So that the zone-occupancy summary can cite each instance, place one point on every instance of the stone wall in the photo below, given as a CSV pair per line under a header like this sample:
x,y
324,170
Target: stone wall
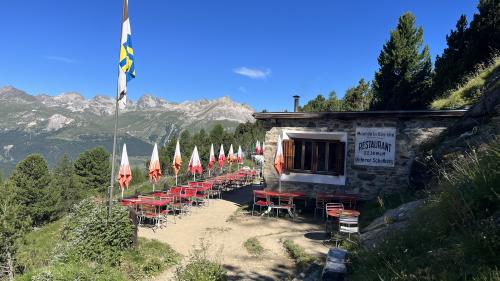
x,y
368,181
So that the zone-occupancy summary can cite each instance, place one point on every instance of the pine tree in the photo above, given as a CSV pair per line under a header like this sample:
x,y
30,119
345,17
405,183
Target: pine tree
x,y
65,180
450,67
467,47
405,68
357,98
31,182
14,225
94,170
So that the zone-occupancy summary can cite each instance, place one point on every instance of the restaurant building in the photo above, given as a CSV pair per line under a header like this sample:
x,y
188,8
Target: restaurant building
x,y
367,152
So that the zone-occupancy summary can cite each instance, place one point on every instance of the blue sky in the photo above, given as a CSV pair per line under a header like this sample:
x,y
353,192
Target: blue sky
x,y
259,52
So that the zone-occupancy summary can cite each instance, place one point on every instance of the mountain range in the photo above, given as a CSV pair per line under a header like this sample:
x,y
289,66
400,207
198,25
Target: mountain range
x,y
70,123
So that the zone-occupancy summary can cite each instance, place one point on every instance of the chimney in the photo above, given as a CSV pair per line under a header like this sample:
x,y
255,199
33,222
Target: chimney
x,y
296,103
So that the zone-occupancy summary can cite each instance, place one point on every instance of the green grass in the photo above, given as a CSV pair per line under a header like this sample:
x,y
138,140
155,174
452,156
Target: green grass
x,y
298,254
200,267
38,247
149,259
453,237
470,91
253,246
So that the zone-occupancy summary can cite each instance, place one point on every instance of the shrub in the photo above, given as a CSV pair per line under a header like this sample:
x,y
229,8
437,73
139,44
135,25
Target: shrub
x,y
90,235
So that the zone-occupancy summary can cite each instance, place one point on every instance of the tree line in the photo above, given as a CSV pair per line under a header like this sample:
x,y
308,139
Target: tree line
x,y
245,134
406,79
33,195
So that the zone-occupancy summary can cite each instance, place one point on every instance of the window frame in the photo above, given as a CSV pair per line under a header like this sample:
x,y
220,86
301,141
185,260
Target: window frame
x,y
314,157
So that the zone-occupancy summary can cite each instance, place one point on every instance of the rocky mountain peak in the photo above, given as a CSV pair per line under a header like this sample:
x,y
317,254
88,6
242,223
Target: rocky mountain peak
x,y
148,101
10,93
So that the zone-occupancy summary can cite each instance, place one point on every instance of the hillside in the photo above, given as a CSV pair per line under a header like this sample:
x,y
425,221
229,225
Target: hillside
x,y
69,123
451,232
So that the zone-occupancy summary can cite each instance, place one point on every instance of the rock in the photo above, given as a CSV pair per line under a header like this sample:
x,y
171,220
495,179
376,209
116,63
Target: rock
x,y
392,220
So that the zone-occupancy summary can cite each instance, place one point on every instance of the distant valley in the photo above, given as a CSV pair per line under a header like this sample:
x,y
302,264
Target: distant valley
x,y
69,123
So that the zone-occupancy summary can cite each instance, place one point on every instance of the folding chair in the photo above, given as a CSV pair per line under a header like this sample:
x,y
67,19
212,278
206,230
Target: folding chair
x,y
348,224
320,203
337,208
148,212
261,199
170,208
285,203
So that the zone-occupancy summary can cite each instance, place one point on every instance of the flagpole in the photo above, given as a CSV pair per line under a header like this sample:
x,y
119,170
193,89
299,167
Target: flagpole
x,y
116,122
114,153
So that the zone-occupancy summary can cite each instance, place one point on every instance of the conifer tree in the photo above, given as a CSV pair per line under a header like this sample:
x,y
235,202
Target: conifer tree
x,y
31,182
14,225
94,169
67,183
357,98
405,68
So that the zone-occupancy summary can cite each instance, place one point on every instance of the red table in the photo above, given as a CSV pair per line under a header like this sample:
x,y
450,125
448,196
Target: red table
x,y
279,194
336,213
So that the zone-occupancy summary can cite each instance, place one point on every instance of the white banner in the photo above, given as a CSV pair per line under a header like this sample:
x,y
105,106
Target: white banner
x,y
375,146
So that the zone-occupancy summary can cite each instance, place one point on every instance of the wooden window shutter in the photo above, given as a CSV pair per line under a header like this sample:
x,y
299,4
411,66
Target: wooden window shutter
x,y
288,154
340,161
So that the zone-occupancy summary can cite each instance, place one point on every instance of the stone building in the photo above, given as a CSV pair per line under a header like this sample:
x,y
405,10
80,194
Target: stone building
x,y
367,153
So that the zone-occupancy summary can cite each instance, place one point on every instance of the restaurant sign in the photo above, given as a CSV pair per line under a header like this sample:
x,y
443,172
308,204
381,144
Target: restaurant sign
x,y
375,146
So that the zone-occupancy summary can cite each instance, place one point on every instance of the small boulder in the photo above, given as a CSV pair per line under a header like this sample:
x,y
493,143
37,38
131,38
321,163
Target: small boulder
x,y
392,220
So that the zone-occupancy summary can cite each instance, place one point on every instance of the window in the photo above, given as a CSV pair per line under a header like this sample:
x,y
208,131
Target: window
x,y
314,156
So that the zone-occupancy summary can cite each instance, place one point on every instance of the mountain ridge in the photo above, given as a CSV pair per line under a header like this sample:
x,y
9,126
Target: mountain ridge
x,y
70,123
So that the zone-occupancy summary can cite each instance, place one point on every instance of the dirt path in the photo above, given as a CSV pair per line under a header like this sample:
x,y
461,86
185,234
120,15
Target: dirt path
x,y
225,234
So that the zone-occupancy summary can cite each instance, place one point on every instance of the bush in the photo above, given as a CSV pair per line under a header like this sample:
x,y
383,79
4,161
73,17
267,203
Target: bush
x,y
90,235
453,237
200,268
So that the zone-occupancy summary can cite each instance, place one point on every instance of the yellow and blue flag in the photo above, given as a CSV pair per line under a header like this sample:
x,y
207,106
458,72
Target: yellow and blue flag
x,y
126,70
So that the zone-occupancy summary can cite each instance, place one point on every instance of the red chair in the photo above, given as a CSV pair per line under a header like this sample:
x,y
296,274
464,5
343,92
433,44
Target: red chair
x,y
321,200
170,208
261,199
335,208
189,197
285,203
